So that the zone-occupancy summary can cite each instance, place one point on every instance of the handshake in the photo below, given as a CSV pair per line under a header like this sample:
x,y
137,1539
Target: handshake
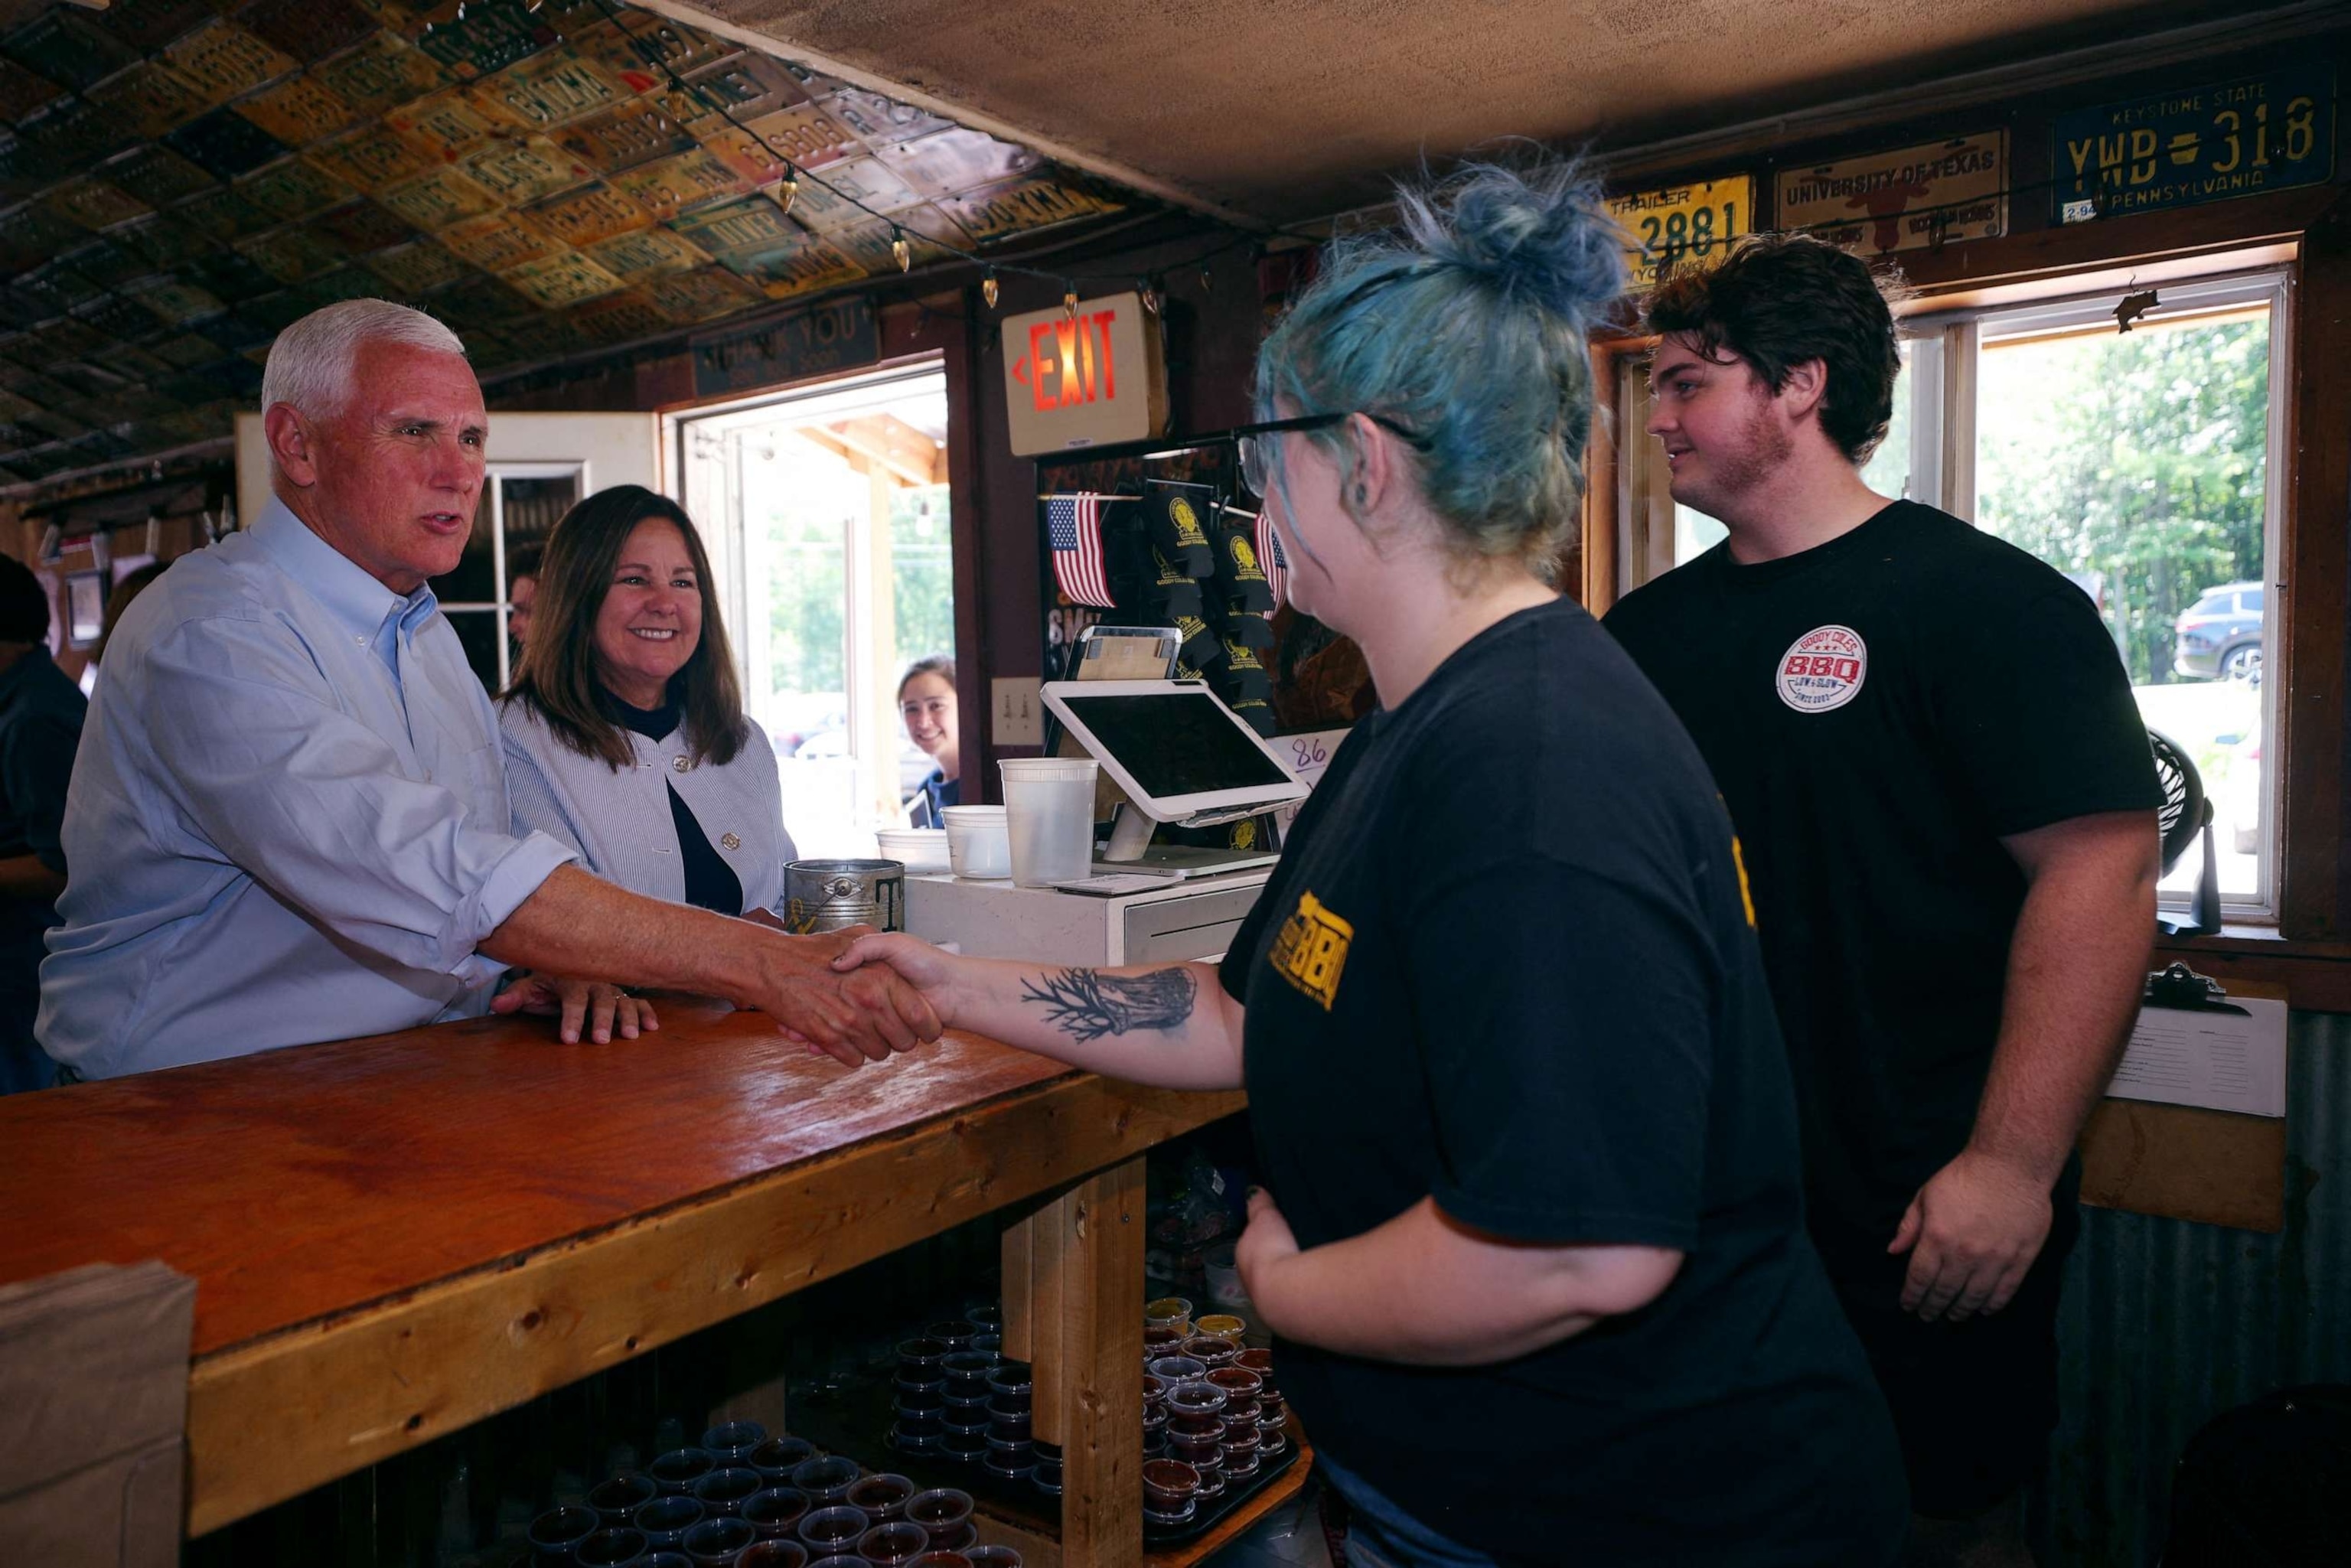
x,y
856,995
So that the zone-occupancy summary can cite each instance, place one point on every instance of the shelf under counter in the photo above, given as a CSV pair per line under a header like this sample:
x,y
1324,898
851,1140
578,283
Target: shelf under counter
x,y
395,1237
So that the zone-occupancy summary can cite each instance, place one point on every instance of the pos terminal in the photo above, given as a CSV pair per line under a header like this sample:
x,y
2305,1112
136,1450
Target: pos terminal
x,y
1177,755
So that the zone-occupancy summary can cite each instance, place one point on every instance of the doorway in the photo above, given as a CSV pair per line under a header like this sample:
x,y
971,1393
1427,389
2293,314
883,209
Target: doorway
x,y
829,507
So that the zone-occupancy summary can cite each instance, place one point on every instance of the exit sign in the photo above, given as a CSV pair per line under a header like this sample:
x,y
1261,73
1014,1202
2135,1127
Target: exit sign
x,y
1091,377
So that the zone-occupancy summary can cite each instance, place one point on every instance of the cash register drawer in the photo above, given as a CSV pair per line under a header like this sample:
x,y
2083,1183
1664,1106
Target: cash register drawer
x,y
1197,926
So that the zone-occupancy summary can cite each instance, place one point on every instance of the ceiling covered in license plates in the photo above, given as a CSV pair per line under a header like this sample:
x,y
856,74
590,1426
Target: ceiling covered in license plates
x,y
180,179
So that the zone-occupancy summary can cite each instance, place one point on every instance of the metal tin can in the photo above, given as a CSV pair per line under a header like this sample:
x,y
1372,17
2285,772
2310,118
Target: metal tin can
x,y
826,896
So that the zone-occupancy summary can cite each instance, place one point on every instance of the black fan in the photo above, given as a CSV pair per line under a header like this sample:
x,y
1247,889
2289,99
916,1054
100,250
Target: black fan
x,y
2186,815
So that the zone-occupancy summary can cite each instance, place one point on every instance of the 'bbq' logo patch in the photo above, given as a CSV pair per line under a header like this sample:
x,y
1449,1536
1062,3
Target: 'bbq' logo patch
x,y
1310,949
1823,669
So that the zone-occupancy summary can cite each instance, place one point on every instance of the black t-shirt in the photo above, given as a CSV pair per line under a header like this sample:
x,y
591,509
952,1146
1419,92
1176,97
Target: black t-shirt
x,y
1879,712
1505,962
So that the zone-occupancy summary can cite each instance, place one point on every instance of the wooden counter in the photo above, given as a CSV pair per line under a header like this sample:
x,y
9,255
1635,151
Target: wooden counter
x,y
395,1237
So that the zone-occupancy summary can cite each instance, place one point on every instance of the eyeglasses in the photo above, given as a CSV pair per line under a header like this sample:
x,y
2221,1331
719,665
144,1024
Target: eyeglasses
x,y
1258,443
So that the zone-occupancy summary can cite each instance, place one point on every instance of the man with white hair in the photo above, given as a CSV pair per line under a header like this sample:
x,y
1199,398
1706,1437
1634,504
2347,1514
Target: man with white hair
x,y
288,819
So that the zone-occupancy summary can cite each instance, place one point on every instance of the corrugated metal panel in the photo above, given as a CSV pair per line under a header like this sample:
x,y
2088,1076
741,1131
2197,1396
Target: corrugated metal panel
x,y
2165,1324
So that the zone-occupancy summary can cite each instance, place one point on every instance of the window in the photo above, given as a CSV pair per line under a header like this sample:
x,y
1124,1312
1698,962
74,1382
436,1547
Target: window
x,y
828,517
2141,465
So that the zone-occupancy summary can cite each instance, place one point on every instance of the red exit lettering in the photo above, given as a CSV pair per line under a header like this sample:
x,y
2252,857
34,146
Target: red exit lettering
x,y
1070,362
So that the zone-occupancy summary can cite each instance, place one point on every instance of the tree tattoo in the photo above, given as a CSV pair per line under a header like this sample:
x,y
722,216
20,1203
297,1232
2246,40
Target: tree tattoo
x,y
1086,1004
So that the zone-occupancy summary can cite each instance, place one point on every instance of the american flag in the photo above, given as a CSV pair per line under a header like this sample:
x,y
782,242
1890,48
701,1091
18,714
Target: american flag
x,y
1268,553
1073,525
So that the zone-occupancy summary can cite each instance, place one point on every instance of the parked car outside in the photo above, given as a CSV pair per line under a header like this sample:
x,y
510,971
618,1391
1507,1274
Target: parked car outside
x,y
2219,635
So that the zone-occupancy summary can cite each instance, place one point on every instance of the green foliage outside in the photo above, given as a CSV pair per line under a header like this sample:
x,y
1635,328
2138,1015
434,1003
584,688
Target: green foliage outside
x,y
808,591
806,596
2140,457
924,566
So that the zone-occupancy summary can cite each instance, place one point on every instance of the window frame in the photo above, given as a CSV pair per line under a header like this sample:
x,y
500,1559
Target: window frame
x,y
734,557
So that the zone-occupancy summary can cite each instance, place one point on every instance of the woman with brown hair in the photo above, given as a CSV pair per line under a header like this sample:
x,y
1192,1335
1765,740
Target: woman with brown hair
x,y
625,735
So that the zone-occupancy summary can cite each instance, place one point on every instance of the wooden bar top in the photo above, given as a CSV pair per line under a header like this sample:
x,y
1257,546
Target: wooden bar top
x,y
392,1237
298,1184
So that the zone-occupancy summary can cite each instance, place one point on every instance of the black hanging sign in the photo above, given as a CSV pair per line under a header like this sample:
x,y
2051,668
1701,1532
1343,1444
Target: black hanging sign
x,y
2198,144
833,335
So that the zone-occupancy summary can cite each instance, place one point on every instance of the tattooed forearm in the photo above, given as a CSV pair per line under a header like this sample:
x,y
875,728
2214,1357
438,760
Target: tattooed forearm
x,y
1086,1004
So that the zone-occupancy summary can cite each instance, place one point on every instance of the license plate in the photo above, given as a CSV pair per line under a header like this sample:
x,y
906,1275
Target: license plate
x,y
551,91
496,242
635,133
438,199
669,187
647,253
224,60
955,161
152,97
371,158
524,169
414,269
299,111
562,280
755,223
593,212
1023,206
293,189
703,295
381,74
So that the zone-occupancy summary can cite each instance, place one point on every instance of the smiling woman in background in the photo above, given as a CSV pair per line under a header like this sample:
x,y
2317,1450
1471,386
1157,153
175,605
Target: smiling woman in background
x,y
927,703
625,735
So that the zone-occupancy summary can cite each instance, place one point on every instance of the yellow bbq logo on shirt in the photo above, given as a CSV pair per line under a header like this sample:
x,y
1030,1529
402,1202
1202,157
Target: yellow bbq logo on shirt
x,y
1310,950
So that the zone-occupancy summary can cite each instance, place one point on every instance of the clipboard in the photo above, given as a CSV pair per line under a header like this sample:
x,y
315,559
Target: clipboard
x,y
2187,1161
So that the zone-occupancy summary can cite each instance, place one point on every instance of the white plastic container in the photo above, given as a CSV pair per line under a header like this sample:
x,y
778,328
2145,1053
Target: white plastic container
x,y
916,849
1049,803
980,845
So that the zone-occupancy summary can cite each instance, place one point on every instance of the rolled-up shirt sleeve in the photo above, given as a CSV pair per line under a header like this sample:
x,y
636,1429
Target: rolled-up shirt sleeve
x,y
312,803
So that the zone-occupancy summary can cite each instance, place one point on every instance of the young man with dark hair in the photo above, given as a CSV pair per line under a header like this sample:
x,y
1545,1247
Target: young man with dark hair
x,y
40,727
1947,806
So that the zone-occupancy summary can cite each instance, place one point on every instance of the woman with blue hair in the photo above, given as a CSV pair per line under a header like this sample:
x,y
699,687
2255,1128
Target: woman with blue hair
x,y
1531,1236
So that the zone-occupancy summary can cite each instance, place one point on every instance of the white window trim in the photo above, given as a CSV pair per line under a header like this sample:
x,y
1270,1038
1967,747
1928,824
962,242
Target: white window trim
x,y
738,559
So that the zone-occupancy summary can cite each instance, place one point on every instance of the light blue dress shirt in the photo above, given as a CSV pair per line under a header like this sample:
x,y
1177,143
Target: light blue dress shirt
x,y
619,820
288,819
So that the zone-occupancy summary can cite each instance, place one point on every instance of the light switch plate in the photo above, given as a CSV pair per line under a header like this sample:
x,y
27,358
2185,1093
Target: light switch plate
x,y
1020,712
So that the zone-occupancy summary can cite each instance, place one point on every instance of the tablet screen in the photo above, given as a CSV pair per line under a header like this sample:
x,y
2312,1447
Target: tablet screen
x,y
1176,743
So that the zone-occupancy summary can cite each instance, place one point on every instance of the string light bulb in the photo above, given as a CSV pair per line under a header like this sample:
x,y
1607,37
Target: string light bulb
x,y
988,289
792,187
1207,283
1069,299
1150,293
899,248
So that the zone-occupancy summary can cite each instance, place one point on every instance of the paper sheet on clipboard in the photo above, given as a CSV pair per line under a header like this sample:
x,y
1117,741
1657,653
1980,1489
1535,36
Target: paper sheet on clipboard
x,y
2219,1059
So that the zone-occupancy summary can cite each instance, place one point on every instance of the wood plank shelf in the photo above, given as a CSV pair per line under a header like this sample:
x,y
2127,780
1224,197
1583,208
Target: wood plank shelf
x,y
396,1236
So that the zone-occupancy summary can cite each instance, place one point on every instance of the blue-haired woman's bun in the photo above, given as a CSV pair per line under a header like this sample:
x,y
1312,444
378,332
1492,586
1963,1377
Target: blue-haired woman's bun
x,y
1465,325
1542,234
